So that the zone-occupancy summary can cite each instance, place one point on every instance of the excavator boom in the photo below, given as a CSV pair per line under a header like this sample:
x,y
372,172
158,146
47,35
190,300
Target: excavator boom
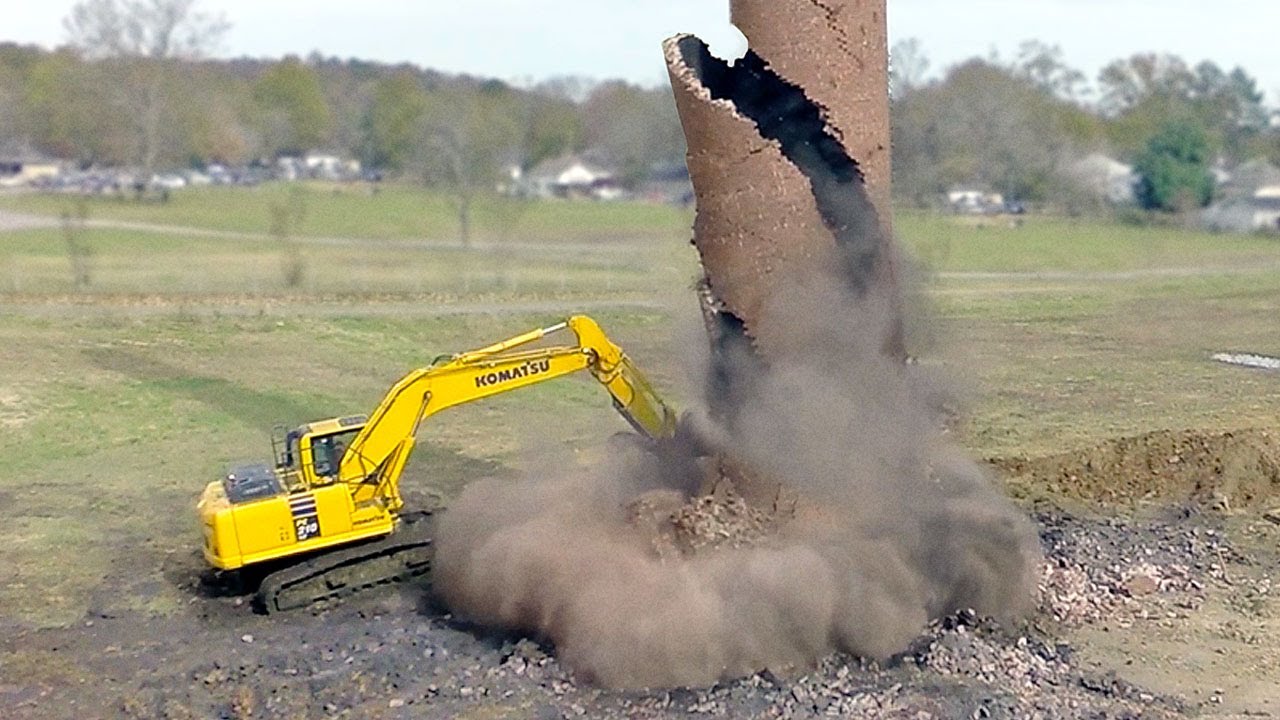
x,y
499,368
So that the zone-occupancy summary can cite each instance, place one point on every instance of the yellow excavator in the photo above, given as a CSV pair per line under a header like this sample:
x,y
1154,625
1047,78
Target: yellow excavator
x,y
327,519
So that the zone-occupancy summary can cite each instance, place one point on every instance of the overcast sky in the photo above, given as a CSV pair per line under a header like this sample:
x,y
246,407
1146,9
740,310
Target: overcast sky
x,y
521,40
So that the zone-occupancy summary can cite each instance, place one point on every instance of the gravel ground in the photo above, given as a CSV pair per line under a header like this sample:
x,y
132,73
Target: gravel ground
x,y
397,656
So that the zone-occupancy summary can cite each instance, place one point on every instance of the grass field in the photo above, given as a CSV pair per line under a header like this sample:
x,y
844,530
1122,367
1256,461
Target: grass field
x,y
120,400
130,262
361,211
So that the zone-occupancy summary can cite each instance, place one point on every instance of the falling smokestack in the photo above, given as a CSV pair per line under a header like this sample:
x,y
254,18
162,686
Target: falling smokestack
x,y
789,155
873,524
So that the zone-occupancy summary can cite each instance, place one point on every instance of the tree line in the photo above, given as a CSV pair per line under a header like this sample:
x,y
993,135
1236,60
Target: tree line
x,y
397,118
135,86
1016,126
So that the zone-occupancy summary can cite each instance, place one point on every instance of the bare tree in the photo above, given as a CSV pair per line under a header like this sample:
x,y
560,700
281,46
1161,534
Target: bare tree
x,y
987,125
73,223
142,37
450,168
466,139
287,216
156,29
908,66
1046,67
1127,83
635,127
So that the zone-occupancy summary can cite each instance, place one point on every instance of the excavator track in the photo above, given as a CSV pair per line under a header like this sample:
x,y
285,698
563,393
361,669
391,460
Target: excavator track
x,y
404,555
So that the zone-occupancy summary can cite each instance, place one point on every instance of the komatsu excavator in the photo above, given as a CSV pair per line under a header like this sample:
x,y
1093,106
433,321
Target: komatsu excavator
x,y
328,519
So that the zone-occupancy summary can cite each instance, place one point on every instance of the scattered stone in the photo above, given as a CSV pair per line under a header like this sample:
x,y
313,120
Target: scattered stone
x,y
1139,585
1097,572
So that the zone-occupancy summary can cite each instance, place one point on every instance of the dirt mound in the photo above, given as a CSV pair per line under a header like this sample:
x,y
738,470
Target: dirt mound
x,y
1227,470
679,527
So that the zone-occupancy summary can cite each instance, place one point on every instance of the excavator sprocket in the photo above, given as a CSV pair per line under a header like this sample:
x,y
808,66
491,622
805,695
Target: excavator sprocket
x,y
404,555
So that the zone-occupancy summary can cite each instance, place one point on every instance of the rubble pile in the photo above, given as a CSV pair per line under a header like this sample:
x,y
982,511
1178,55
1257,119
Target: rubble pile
x,y
1093,572
722,519
676,526
1074,595
391,658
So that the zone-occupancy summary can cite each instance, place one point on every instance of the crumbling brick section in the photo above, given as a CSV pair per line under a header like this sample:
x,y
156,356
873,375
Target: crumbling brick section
x,y
789,156
837,50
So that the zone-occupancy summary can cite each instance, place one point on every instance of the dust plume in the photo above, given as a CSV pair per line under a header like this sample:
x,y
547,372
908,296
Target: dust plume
x,y
814,504
891,527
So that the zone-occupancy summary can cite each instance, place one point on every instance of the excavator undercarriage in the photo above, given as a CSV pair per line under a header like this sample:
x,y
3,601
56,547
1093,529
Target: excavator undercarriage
x,y
403,556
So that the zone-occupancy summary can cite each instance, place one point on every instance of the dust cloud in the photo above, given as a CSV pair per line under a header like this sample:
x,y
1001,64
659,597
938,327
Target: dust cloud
x,y
865,521
890,526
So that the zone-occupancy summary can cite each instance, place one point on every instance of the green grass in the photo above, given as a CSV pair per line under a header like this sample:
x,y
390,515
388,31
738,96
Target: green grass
x,y
1040,244
110,429
1062,367
390,212
119,401
151,263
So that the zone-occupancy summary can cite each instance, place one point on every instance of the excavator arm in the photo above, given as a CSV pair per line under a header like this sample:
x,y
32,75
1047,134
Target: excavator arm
x,y
376,457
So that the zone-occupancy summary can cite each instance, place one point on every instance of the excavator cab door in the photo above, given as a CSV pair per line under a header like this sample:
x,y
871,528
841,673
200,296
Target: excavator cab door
x,y
325,453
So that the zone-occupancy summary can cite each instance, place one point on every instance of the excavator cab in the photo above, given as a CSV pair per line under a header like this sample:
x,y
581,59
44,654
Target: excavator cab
x,y
318,455
327,451
312,454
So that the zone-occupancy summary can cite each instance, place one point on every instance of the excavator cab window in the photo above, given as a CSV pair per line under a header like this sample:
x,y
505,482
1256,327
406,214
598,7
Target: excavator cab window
x,y
327,451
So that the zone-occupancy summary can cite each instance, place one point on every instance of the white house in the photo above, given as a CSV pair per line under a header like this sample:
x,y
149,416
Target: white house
x,y
1260,213
1106,178
1250,202
571,176
974,202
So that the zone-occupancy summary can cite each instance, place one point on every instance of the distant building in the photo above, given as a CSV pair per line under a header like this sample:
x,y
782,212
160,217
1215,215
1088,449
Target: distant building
x,y
1248,202
1249,179
571,176
667,183
975,202
316,166
325,166
15,172
1105,178
1259,213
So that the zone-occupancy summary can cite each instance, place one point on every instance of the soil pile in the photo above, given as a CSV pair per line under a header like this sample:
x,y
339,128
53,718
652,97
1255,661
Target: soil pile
x,y
1223,470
